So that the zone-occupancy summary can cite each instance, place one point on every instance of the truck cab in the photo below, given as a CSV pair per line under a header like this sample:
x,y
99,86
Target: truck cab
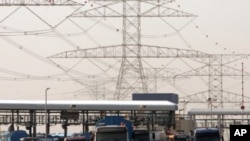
x,y
206,134
111,133
113,128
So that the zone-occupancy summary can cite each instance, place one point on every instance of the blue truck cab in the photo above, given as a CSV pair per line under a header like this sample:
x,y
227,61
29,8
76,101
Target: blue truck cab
x,y
113,128
206,134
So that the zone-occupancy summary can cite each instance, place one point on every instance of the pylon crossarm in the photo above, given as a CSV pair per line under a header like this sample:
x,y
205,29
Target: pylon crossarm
x,y
158,10
147,51
132,0
105,10
230,58
201,71
230,71
41,3
100,52
204,71
228,97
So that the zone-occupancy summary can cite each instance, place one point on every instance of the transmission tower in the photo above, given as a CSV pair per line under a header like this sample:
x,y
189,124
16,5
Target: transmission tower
x,y
216,68
131,77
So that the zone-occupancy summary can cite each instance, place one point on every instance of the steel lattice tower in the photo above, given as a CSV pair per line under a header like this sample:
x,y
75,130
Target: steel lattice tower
x,y
131,78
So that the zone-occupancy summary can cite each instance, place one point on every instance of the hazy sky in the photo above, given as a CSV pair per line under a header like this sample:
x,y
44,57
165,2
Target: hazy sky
x,y
222,26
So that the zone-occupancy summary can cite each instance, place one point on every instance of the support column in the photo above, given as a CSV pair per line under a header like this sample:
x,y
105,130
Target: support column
x,y
83,122
48,123
30,124
34,123
87,122
18,120
153,119
65,127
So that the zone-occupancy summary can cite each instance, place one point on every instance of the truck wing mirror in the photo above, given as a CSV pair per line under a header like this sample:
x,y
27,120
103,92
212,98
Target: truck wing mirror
x,y
153,135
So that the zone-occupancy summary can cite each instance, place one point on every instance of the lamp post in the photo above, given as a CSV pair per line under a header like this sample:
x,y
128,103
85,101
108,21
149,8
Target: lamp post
x,y
46,114
210,102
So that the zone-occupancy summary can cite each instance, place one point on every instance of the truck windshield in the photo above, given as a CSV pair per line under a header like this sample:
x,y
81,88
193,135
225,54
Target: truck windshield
x,y
180,139
208,139
109,136
141,135
207,134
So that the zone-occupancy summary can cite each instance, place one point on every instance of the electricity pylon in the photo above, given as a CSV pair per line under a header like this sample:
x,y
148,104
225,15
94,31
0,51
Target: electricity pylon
x,y
131,78
216,69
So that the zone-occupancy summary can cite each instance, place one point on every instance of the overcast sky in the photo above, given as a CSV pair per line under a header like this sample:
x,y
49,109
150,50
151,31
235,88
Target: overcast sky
x,y
222,26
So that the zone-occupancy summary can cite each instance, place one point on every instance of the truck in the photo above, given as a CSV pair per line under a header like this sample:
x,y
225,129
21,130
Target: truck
x,y
206,134
111,133
116,128
113,128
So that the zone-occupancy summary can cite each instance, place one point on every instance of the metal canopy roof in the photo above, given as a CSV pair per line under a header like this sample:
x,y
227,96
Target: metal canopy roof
x,y
87,105
218,112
